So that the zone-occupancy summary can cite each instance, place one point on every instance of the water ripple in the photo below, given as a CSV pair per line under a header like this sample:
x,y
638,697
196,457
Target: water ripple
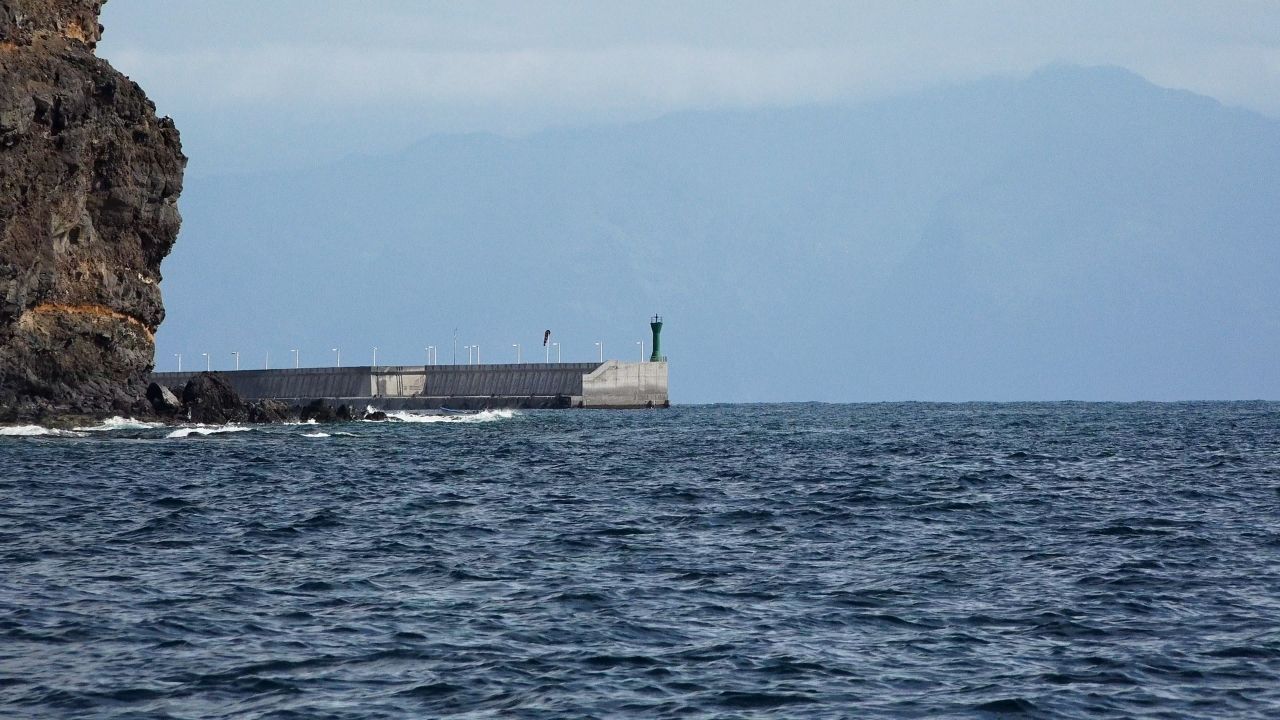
x,y
909,560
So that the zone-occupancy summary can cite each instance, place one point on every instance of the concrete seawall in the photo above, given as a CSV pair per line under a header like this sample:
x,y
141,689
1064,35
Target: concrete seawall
x,y
611,384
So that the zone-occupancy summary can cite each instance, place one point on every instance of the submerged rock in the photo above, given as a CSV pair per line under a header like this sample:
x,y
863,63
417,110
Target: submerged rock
x,y
89,182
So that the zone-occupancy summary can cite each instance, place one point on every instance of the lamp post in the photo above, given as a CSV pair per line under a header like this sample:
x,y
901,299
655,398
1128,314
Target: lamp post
x,y
375,356
338,354
208,362
179,356
295,358
431,354
477,354
237,356
600,347
557,351
468,354
266,364
517,347
546,350
640,344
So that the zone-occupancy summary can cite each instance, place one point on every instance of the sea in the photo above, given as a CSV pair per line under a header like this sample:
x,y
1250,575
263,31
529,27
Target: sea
x,y
910,560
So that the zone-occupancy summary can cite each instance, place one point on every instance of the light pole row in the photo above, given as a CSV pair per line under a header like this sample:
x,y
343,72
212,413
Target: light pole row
x,y
432,356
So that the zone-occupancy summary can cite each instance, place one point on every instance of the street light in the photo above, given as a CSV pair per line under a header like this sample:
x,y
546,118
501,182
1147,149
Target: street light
x,y
640,343
266,364
375,356
295,358
338,354
469,354
208,362
233,352
431,351
179,356
557,351
517,347
477,354
600,345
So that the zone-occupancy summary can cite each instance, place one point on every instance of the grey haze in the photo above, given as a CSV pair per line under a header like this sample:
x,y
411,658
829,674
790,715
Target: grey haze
x,y
1078,234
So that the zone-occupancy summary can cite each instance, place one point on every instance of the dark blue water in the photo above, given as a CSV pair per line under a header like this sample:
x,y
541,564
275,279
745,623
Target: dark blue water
x,y
1062,560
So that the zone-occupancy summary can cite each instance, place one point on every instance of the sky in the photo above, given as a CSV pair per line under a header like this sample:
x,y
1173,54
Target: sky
x,y
374,143
291,82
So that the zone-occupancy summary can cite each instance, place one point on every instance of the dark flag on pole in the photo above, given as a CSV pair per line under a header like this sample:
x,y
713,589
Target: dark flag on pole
x,y
545,337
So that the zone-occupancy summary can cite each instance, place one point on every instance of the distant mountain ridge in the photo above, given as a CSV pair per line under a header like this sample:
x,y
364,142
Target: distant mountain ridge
x,y
1077,234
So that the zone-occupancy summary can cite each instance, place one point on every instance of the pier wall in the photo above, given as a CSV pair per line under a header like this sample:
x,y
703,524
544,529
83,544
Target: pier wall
x,y
622,384
401,387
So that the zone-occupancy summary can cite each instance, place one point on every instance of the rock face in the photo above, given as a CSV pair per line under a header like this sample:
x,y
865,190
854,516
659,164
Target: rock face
x,y
269,411
210,399
163,400
89,182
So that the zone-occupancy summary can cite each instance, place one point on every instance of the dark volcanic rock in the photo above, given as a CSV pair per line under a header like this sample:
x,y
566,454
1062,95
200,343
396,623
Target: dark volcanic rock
x,y
269,411
209,398
320,411
162,400
89,181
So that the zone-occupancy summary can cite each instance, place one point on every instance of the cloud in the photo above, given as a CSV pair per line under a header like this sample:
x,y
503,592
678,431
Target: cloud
x,y
664,56
651,76
313,72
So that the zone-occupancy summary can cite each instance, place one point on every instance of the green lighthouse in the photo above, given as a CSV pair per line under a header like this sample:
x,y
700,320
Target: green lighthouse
x,y
656,325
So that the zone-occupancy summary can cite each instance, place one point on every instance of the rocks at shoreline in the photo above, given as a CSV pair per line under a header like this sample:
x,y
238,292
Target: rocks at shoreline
x,y
163,400
270,411
319,411
89,181
208,398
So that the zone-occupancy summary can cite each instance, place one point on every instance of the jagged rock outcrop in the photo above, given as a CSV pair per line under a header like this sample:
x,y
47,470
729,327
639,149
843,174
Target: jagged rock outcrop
x,y
270,411
318,410
210,399
163,400
89,181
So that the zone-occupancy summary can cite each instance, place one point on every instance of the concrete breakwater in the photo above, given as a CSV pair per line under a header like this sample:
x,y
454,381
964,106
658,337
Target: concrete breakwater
x,y
611,384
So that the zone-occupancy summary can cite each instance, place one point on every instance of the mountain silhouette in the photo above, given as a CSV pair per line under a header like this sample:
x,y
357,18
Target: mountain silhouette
x,y
1077,234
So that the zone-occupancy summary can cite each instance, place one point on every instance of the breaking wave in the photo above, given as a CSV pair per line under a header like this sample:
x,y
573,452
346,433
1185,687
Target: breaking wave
x,y
121,423
36,431
204,430
482,416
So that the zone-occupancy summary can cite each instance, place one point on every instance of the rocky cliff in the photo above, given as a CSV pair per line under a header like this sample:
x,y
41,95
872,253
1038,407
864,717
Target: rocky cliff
x,y
89,182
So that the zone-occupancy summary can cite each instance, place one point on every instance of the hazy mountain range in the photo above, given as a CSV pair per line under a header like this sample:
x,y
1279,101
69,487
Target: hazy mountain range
x,y
1078,234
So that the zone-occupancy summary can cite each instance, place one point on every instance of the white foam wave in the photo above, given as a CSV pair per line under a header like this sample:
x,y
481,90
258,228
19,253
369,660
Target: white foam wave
x,y
36,431
120,423
335,433
482,416
206,430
